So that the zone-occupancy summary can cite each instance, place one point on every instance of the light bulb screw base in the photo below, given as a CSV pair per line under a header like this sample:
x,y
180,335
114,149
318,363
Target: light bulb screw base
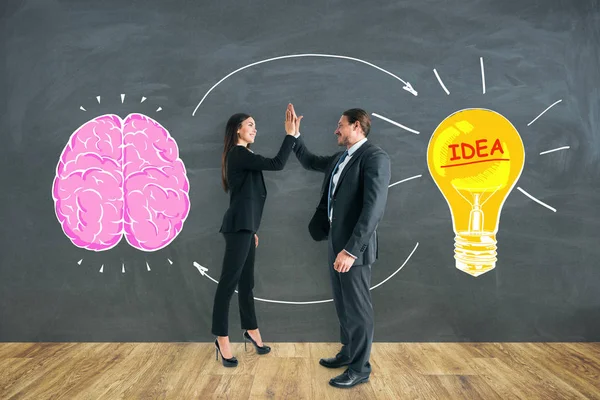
x,y
475,253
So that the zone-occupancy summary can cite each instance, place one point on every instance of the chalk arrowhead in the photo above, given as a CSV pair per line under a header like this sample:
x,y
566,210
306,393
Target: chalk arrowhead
x,y
200,268
408,87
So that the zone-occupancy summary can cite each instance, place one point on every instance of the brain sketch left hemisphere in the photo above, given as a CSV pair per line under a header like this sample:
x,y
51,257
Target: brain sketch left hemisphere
x,y
121,177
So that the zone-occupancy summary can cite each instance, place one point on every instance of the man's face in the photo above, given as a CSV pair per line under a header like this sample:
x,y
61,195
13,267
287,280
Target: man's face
x,y
345,132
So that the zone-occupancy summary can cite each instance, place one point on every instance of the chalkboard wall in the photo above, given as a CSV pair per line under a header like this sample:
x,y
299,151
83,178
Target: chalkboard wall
x,y
66,62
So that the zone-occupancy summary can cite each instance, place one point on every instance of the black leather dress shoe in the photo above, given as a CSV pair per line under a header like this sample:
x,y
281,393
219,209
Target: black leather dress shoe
x,y
336,362
348,379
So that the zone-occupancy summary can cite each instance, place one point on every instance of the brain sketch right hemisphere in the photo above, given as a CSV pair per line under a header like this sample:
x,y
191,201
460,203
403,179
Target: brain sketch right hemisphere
x,y
121,177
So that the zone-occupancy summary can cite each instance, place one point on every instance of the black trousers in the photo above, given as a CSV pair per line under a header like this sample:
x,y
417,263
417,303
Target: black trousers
x,y
238,270
352,298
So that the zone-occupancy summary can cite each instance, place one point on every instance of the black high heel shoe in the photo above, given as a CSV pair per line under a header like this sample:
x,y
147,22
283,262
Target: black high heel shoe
x,y
260,350
227,362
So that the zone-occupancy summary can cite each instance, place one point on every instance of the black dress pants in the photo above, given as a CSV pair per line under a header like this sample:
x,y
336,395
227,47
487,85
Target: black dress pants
x,y
238,270
352,299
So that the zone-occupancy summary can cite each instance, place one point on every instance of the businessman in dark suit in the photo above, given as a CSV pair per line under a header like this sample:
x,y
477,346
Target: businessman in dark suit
x,y
352,202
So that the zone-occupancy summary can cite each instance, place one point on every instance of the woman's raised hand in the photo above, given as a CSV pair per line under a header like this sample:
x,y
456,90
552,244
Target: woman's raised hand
x,y
290,126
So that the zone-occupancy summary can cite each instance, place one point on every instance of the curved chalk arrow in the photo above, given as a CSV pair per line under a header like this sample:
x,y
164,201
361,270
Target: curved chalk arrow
x,y
407,86
203,270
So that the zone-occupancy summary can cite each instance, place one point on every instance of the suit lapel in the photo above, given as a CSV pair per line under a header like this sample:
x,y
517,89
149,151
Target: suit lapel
x,y
325,187
357,154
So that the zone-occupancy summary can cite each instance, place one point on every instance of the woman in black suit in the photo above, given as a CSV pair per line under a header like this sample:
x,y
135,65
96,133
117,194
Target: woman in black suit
x,y
241,173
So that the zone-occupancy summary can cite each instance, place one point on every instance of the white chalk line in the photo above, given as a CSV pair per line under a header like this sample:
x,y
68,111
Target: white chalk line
x,y
555,103
553,150
404,180
394,123
203,270
482,74
440,81
536,200
407,86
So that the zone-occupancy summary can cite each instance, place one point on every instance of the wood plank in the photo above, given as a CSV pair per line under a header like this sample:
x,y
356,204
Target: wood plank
x,y
466,387
45,357
522,359
291,371
282,378
571,365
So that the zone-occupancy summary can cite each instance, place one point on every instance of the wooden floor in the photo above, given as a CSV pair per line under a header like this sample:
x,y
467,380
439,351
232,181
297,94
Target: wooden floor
x,y
291,371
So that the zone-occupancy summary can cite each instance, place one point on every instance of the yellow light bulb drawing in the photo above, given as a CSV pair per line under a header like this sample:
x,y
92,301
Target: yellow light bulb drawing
x,y
475,157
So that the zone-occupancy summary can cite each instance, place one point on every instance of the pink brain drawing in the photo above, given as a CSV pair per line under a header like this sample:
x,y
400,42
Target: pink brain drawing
x,y
121,177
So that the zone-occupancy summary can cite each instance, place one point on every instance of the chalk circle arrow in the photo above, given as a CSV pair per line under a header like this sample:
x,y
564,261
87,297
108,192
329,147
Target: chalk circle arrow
x,y
407,86
203,272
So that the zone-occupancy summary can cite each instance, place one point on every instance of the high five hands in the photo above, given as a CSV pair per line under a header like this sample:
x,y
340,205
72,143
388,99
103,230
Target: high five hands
x,y
292,121
290,126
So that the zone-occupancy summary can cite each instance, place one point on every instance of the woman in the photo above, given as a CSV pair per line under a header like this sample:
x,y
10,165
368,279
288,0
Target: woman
x,y
241,173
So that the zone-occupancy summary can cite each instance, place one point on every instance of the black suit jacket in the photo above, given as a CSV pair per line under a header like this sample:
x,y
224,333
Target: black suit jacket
x,y
358,203
247,189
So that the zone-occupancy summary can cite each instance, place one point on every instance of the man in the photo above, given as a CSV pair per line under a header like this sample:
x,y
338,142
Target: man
x,y
353,200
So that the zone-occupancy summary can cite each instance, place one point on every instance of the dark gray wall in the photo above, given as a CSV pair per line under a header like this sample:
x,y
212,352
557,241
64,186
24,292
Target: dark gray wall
x,y
60,55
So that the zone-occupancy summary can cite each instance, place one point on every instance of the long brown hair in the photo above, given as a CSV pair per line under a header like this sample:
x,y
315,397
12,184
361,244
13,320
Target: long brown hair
x,y
233,124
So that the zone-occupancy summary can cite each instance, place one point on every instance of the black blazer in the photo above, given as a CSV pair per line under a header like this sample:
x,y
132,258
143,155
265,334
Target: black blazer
x,y
358,202
247,186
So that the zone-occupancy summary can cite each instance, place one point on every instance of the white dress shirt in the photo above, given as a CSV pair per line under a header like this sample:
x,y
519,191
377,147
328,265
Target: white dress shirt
x,y
351,151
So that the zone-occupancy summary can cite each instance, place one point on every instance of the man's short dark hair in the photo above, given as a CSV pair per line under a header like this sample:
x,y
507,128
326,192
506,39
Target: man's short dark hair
x,y
360,115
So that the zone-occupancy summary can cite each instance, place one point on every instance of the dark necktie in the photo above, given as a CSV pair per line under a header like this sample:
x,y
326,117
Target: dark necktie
x,y
330,196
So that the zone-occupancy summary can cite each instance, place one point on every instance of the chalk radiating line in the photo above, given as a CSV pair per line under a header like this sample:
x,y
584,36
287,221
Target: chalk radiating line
x,y
536,200
482,74
143,99
170,262
79,262
404,180
407,86
102,268
440,81
158,109
82,109
557,149
147,266
98,98
555,103
122,97
203,270
394,123
123,268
